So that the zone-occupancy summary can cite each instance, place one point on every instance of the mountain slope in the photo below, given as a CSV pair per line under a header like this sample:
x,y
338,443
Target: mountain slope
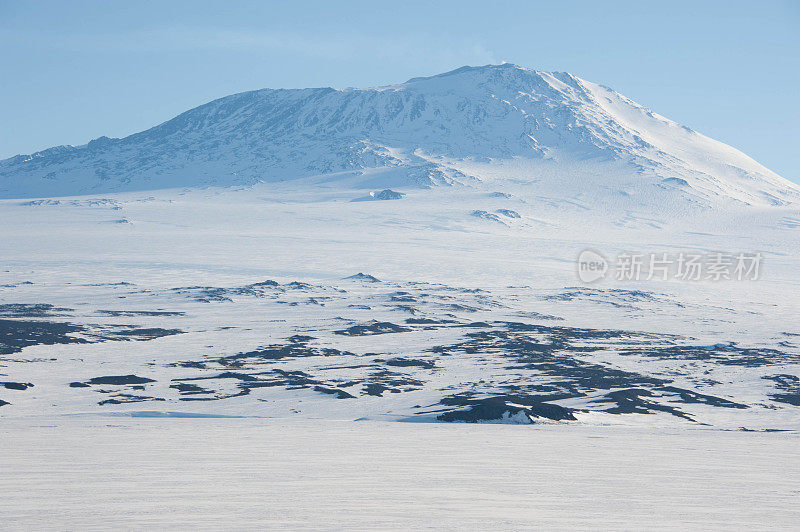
x,y
461,127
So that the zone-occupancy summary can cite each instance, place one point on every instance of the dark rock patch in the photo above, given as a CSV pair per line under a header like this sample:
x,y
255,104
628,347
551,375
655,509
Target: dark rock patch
x,y
15,335
363,277
724,354
394,379
339,394
616,297
129,332
268,282
789,385
378,327
297,348
477,325
631,401
122,398
187,364
132,313
788,398
16,385
552,355
502,407
119,380
263,289
508,213
407,362
225,375
425,321
376,389
204,294
688,396
185,388
300,339
32,310
484,215
383,195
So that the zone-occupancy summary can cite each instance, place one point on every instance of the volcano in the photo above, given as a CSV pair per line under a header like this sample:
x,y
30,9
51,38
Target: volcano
x,y
495,123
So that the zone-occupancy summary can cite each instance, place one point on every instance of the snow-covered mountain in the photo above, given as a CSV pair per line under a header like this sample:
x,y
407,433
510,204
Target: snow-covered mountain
x,y
474,124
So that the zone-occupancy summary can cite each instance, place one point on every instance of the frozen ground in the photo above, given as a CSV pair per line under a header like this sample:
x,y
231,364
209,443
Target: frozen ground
x,y
91,473
230,301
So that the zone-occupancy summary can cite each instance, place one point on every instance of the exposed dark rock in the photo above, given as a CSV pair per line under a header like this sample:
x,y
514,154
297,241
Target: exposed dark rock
x,y
378,327
487,216
364,277
297,348
204,294
688,396
500,407
790,385
383,195
407,362
185,388
131,313
340,394
268,282
508,213
122,398
375,388
16,385
726,355
119,380
631,401
15,335
128,332
32,310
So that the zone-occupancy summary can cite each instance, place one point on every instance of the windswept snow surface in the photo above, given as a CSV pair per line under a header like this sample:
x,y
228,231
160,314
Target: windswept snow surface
x,y
189,474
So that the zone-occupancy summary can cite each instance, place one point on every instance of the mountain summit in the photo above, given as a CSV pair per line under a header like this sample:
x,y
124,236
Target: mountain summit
x,y
466,126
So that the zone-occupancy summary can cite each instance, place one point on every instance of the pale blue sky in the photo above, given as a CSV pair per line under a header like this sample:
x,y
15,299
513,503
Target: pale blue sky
x,y
73,71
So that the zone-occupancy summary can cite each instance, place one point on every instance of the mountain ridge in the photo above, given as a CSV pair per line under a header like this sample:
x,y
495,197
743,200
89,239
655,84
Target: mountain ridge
x,y
424,132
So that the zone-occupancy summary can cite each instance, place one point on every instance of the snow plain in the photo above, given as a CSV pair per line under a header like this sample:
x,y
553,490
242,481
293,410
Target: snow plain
x,y
214,276
122,473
